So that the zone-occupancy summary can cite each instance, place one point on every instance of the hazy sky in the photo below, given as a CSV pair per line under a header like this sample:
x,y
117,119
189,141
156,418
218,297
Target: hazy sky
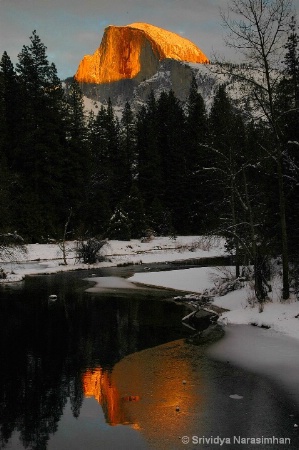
x,y
72,28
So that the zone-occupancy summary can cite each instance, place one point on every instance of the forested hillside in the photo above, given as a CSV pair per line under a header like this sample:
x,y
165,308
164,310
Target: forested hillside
x,y
173,168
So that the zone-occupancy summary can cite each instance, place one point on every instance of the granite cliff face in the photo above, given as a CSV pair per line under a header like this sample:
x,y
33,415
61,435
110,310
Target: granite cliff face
x,y
134,52
137,59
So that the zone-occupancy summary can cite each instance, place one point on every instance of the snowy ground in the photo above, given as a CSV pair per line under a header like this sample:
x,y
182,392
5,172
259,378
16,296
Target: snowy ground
x,y
281,317
47,258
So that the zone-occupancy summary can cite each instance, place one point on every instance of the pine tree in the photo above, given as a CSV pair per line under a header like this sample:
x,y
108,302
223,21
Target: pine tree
x,y
197,158
119,226
292,62
110,162
99,183
149,173
287,105
227,142
128,140
76,161
121,179
171,146
287,92
76,117
3,127
160,219
10,112
133,206
98,147
8,134
5,204
41,138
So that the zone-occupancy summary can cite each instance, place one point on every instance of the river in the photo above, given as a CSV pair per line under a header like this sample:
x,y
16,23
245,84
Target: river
x,y
114,369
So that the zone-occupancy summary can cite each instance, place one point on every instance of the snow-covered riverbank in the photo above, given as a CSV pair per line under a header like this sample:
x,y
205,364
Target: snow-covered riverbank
x,y
280,317
48,258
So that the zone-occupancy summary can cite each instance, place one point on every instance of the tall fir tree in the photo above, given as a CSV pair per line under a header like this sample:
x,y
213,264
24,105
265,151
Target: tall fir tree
x,y
291,62
159,219
41,139
5,203
128,140
9,95
119,159
287,105
227,142
97,208
119,226
76,161
171,140
133,206
149,172
110,162
197,158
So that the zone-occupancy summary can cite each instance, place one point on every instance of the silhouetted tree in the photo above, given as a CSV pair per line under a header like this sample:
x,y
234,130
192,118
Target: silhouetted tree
x,y
257,30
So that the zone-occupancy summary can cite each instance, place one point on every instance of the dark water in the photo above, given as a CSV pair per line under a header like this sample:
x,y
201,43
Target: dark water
x,y
47,347
100,371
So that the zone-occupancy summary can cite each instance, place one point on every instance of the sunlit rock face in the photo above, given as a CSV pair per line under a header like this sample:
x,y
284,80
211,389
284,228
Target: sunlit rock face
x,y
135,52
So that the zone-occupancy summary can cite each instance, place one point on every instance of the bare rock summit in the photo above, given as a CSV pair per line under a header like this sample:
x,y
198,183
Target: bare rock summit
x,y
134,52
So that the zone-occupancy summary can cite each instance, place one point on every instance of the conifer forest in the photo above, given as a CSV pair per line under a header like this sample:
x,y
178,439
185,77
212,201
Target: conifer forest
x,y
170,167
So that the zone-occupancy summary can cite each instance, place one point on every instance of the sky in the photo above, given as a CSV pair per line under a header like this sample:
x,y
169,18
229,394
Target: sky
x,y
72,28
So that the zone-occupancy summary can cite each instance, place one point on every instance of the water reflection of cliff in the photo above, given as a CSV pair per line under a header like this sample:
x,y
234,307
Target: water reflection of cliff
x,y
154,390
44,349
172,393
97,383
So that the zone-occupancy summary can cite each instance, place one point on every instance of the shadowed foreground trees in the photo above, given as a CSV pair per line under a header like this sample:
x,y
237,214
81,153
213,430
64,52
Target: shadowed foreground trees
x,y
256,29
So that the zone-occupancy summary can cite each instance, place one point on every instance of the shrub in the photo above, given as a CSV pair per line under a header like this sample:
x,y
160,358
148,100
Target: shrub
x,y
89,251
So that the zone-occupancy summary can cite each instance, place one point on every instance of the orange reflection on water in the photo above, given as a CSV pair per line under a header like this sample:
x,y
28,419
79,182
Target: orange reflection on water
x,y
97,384
159,391
92,383
169,385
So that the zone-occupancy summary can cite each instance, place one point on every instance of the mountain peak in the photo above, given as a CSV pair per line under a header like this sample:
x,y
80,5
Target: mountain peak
x,y
172,45
134,52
